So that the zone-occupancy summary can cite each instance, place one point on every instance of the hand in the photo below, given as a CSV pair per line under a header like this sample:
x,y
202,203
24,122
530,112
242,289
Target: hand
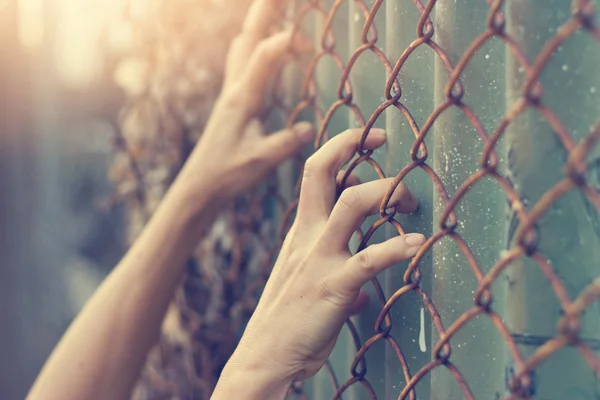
x,y
234,153
316,279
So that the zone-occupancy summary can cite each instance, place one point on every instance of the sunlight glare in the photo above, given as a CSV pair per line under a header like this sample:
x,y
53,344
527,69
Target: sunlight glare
x,y
31,22
80,28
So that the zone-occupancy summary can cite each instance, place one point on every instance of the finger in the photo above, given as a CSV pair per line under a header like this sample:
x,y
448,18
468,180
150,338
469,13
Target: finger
x,y
282,145
352,180
265,63
278,147
361,303
358,202
318,190
365,265
261,16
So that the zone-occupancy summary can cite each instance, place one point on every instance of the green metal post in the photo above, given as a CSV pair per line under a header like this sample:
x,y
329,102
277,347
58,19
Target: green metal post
x,y
368,79
327,77
413,336
568,232
477,348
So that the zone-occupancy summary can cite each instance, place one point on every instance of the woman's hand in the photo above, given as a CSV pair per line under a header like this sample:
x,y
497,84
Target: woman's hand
x,y
234,152
316,279
102,352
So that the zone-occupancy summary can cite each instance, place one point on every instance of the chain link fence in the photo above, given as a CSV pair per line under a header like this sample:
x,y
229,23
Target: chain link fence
x,y
527,230
492,118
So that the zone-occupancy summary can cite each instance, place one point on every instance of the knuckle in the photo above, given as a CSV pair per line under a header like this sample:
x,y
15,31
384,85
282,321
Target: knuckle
x,y
274,46
264,49
364,261
350,198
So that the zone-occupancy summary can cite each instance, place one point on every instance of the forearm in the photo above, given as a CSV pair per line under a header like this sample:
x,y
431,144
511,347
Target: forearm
x,y
101,354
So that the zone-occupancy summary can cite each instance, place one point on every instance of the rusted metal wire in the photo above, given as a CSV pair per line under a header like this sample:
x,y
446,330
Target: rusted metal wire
x,y
575,171
232,265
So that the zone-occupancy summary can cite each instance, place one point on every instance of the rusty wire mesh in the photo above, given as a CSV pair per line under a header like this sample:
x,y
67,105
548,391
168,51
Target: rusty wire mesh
x,y
233,262
575,170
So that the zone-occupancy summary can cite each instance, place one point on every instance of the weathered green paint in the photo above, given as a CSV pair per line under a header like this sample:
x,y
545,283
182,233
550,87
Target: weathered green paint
x,y
532,157
327,77
417,95
568,233
368,80
477,348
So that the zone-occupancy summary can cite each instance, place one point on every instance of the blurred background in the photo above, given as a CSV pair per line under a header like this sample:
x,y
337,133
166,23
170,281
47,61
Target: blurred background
x,y
57,120
80,82
101,101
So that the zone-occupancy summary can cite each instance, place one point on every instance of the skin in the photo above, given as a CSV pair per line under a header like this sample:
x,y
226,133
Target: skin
x,y
314,285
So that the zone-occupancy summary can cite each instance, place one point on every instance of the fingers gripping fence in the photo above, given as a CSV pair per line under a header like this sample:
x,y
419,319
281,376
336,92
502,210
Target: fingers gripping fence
x,y
485,104
530,231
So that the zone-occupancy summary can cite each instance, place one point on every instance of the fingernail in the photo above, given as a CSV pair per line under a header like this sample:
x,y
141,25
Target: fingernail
x,y
304,131
414,239
377,132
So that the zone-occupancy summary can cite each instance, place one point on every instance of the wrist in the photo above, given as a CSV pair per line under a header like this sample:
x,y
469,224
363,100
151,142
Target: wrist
x,y
205,177
248,377
194,193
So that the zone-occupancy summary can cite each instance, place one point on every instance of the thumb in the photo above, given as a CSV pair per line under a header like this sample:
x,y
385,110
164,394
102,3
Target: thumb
x,y
280,146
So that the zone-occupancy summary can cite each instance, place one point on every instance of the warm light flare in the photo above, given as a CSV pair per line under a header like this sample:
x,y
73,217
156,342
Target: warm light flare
x,y
73,29
82,23
31,22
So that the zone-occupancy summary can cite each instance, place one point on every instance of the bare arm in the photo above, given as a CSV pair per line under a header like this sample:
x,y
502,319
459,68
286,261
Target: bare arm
x,y
102,352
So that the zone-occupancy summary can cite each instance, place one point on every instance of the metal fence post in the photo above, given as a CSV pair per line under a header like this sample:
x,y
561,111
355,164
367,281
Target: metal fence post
x,y
477,348
368,80
530,153
414,336
327,76
568,233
